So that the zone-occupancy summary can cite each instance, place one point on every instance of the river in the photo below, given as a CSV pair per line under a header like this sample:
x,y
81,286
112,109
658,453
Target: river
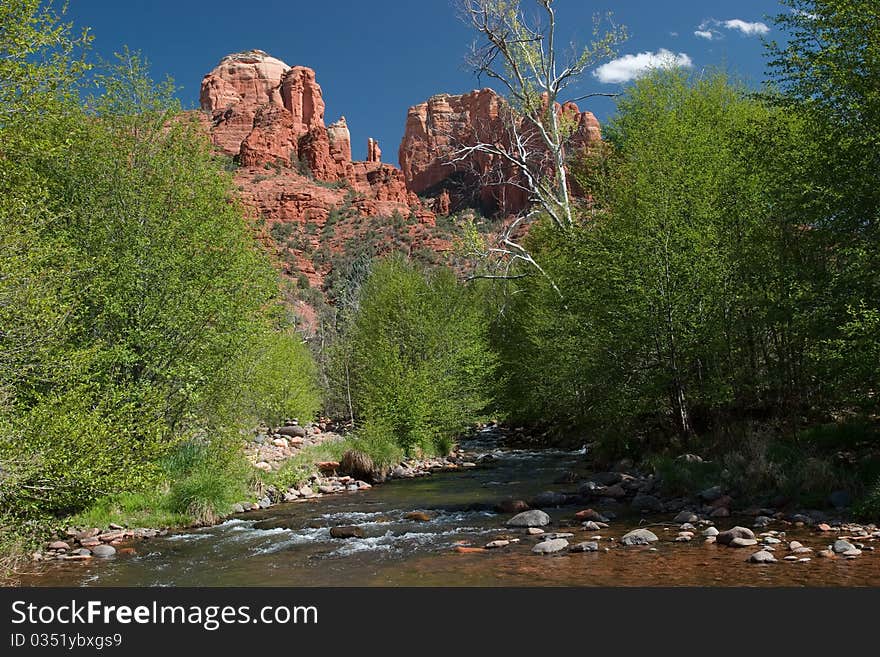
x,y
290,544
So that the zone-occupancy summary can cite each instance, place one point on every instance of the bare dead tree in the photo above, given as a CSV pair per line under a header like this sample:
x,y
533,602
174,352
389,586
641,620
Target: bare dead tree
x,y
523,56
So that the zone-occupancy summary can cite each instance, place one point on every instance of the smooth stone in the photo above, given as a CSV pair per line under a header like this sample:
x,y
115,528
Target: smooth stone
x,y
497,544
589,525
790,557
532,518
554,535
551,546
590,514
794,545
586,546
534,531
840,546
710,531
686,516
725,537
237,508
639,537
59,545
739,542
855,552
103,551
762,557
770,540
804,560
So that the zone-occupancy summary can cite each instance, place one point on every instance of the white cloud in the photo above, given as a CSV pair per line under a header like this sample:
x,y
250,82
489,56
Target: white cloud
x,y
749,29
709,29
630,67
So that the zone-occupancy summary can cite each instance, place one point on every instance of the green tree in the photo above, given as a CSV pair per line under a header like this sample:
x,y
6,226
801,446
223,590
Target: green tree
x,y
414,359
829,71
679,288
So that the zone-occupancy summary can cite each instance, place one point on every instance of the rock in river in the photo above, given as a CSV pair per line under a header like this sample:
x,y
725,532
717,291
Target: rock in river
x,y
739,542
551,546
533,518
586,546
686,516
346,532
104,551
639,537
841,546
725,538
762,557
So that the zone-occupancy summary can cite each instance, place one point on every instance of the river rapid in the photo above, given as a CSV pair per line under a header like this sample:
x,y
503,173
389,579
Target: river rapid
x,y
290,544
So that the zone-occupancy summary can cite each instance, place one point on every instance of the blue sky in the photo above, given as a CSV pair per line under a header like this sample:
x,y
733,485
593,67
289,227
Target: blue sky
x,y
375,58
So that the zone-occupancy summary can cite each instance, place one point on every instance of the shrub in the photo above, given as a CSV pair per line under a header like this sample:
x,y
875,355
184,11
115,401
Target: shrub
x,y
413,359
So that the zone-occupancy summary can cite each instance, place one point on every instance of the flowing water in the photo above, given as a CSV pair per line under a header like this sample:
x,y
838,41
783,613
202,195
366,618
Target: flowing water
x,y
290,544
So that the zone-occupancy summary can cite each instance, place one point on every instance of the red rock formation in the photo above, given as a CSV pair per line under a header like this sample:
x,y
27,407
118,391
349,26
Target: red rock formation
x,y
294,169
374,153
437,128
234,91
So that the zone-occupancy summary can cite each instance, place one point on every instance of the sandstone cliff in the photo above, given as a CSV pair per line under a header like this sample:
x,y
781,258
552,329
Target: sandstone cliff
x,y
437,128
296,171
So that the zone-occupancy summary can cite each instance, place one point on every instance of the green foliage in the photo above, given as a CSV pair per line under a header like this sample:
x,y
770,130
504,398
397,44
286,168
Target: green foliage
x,y
412,362
136,305
646,314
281,379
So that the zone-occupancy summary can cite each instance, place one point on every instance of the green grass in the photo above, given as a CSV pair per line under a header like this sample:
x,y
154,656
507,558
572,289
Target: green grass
x,y
200,484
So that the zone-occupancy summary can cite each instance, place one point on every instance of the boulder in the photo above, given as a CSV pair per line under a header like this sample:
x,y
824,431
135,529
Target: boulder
x,y
725,537
639,537
686,516
293,431
103,551
550,546
590,514
586,546
762,557
346,532
532,518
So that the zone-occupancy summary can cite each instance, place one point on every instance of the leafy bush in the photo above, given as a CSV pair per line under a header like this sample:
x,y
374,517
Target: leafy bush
x,y
413,360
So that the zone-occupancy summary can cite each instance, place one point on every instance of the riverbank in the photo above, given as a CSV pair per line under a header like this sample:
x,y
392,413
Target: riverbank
x,y
293,463
465,528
